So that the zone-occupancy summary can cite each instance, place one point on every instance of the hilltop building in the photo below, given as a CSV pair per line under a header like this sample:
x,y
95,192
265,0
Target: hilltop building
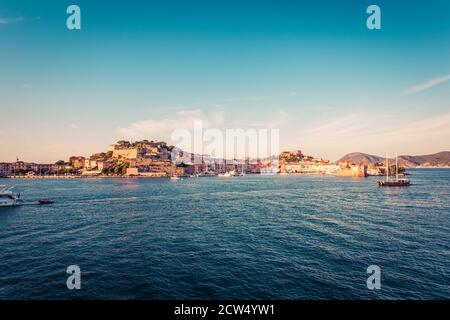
x,y
297,162
126,150
77,162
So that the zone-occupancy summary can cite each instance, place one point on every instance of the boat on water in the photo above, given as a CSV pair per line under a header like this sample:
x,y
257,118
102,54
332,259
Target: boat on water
x,y
395,183
174,178
224,175
388,182
236,173
8,198
270,171
45,201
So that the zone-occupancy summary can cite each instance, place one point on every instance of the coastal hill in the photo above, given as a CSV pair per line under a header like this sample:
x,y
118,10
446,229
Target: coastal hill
x,y
359,157
440,159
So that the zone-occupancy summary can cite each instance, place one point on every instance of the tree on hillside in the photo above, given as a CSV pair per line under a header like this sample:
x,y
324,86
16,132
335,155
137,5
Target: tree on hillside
x,y
124,168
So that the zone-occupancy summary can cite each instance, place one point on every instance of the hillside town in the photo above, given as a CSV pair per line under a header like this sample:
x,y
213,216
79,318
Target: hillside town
x,y
157,159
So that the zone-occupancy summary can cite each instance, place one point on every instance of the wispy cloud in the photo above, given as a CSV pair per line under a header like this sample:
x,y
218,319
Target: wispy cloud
x,y
158,128
426,85
377,134
6,20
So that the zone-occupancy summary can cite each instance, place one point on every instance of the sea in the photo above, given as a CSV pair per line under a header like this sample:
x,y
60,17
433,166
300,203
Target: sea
x,y
251,237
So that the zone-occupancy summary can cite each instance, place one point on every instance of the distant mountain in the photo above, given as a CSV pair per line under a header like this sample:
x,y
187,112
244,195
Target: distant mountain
x,y
440,159
359,157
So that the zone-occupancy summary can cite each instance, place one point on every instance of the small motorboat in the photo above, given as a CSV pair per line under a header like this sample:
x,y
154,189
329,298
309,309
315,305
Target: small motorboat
x,y
225,175
8,198
45,201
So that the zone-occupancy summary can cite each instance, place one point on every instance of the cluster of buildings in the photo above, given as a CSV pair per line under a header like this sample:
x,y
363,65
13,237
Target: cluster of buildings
x,y
144,158
29,168
157,159
296,162
5,169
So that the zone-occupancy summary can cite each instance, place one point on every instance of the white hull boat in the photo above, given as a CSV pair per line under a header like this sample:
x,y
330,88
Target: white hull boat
x,y
8,198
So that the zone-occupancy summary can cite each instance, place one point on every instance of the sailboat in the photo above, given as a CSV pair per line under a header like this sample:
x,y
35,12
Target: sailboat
x,y
393,182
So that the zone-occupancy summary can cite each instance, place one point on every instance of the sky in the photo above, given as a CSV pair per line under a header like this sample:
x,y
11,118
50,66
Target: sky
x,y
311,69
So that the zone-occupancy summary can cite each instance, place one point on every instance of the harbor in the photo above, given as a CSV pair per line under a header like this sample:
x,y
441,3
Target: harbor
x,y
311,226
150,159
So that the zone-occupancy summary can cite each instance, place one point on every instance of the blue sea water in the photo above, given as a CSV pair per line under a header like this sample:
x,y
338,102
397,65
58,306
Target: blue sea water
x,y
251,237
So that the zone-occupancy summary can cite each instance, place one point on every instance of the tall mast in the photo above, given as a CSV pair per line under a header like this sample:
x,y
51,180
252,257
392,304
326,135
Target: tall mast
x,y
396,166
387,167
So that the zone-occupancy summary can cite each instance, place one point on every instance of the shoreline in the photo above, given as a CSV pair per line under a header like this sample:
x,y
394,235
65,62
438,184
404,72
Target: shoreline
x,y
168,177
81,177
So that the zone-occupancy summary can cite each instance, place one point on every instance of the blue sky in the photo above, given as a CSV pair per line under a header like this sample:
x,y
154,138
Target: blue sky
x,y
140,69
